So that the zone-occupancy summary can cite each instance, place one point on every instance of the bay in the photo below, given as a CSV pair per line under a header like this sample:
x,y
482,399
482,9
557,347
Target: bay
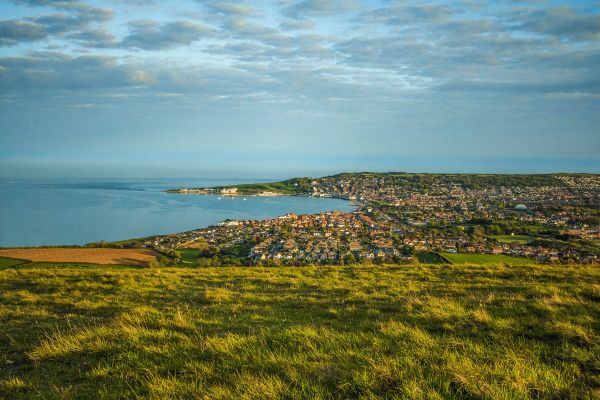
x,y
37,212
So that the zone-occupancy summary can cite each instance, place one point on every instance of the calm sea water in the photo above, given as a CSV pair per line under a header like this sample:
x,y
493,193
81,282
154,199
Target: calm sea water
x,y
37,212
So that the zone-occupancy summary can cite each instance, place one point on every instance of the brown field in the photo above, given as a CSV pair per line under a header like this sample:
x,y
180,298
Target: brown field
x,y
84,255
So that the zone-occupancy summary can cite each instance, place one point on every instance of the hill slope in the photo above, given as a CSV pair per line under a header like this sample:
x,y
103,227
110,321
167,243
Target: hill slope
x,y
422,332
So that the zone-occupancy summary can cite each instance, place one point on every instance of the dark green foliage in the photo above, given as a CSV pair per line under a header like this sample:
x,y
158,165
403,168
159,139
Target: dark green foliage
x,y
431,258
476,232
349,259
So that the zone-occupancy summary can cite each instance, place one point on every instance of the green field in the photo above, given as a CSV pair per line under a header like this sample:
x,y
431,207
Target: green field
x,y
289,187
485,259
405,332
535,228
521,239
188,256
279,187
11,262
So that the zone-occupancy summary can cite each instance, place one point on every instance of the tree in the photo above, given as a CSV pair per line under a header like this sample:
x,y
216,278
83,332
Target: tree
x,y
494,230
210,251
476,233
154,263
408,251
349,259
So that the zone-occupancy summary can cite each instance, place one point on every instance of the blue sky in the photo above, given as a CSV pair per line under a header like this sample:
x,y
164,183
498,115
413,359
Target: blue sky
x,y
297,87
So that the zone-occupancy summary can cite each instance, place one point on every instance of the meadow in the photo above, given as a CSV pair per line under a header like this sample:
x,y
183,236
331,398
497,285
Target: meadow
x,y
393,332
485,259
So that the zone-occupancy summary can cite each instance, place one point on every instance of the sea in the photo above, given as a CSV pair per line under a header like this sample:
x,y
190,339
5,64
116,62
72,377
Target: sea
x,y
39,212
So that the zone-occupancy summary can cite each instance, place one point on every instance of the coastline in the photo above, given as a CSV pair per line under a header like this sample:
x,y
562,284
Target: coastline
x,y
394,213
210,192
77,212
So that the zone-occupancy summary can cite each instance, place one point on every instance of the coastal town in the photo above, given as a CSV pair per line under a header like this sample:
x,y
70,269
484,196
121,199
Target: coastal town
x,y
402,218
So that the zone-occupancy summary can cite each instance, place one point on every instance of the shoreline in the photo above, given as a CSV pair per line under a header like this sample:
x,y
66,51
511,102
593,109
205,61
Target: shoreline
x,y
206,192
107,241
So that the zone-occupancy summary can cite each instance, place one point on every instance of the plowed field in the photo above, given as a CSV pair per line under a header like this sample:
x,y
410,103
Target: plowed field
x,y
95,256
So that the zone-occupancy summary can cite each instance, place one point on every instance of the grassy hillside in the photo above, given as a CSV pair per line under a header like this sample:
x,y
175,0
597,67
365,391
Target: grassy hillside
x,y
286,187
486,259
293,186
299,186
414,332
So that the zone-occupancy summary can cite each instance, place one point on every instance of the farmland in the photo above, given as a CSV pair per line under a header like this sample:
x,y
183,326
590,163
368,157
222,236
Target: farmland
x,y
83,255
414,332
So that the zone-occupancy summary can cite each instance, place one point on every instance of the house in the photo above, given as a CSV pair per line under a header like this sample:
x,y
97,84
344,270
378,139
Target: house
x,y
229,191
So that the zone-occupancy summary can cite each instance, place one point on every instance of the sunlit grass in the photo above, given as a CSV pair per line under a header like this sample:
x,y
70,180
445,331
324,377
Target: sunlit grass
x,y
520,239
485,259
416,332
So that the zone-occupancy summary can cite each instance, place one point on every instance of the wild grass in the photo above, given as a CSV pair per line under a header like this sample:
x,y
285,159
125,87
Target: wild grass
x,y
486,259
396,332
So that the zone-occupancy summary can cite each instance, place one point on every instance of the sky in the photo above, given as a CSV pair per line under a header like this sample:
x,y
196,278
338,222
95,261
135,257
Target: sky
x,y
280,88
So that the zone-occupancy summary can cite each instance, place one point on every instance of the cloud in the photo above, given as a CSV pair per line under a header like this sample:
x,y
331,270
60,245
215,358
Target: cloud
x,y
15,31
400,15
96,77
563,22
43,3
226,8
81,10
242,29
53,71
589,86
245,27
60,71
293,25
151,35
75,17
341,71
277,48
319,8
92,37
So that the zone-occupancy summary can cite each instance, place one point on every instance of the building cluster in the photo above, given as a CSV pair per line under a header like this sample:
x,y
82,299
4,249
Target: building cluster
x,y
399,215
441,199
329,237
